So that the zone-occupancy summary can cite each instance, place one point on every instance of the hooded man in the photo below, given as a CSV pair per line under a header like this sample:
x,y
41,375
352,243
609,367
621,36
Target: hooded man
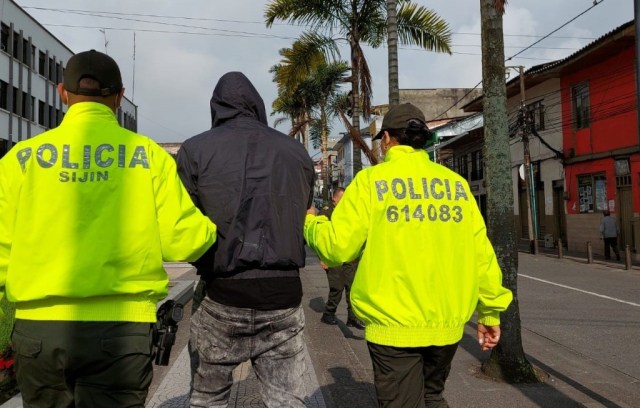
x,y
257,184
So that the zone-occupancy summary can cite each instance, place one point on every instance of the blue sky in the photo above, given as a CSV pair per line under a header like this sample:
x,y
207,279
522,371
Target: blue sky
x,y
179,60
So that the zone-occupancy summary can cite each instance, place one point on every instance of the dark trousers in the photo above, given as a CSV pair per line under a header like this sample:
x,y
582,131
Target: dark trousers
x,y
340,279
83,364
411,377
611,243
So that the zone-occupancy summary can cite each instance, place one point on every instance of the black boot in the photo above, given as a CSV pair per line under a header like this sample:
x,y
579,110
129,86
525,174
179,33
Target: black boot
x,y
355,322
329,319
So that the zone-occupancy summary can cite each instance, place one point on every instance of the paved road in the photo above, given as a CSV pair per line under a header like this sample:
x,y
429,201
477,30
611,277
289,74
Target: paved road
x,y
592,309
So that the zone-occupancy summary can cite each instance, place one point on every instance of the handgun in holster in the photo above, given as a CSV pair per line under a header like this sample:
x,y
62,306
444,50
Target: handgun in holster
x,y
164,332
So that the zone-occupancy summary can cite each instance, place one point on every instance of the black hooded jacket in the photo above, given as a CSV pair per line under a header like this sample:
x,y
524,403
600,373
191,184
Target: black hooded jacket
x,y
255,183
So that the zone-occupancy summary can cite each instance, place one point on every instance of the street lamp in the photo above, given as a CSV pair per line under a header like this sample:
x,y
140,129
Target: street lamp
x,y
528,174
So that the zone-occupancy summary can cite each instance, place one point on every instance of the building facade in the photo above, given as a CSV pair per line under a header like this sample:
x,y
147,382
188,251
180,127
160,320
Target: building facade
x,y
579,119
601,138
32,63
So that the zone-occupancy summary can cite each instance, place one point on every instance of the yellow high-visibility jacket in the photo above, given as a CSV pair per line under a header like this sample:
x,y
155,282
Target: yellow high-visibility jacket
x,y
427,263
88,212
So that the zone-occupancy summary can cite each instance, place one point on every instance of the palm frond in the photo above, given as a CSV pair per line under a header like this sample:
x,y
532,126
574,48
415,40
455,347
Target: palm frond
x,y
280,121
316,13
315,133
423,27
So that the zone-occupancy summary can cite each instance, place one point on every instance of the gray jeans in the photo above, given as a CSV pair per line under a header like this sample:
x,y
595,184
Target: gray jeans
x,y
222,337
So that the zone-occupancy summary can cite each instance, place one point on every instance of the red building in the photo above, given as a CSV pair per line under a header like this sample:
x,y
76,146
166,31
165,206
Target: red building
x,y
600,136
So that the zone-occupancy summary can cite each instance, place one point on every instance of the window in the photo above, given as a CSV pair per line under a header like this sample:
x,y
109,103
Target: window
x,y
42,62
4,37
41,111
25,51
4,95
17,44
462,167
52,116
592,192
477,166
52,70
58,73
32,62
580,102
14,105
28,105
536,115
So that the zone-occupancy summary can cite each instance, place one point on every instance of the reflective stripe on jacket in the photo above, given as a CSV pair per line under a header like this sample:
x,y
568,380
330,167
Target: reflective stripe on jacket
x,y
89,212
427,263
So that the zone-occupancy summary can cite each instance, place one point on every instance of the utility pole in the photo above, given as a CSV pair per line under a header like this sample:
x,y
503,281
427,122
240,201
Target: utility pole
x,y
392,45
528,176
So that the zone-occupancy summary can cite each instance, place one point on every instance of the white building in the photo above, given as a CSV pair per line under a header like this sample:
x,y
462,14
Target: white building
x,y
32,62
344,159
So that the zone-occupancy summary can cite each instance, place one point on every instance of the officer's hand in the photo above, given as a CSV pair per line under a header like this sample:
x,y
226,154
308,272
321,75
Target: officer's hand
x,y
312,210
488,336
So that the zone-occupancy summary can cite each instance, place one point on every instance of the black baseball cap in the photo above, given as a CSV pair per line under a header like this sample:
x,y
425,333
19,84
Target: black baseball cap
x,y
95,65
398,116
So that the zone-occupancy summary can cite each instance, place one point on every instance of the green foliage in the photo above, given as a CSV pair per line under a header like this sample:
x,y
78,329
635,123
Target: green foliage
x,y
6,323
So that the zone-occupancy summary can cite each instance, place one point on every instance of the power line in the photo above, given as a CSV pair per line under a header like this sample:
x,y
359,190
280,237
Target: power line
x,y
126,17
595,3
237,33
98,13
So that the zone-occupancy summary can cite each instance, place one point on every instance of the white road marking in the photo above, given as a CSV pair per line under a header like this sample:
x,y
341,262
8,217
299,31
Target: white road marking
x,y
580,290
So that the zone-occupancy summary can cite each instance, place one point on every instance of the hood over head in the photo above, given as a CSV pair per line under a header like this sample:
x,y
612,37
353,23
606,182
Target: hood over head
x,y
235,96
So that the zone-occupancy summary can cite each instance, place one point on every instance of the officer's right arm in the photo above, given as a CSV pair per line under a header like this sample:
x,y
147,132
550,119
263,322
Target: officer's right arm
x,y
185,233
342,238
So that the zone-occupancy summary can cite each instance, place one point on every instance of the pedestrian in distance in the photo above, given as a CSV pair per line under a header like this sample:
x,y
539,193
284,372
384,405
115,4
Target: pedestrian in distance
x,y
426,267
609,231
340,279
89,212
256,184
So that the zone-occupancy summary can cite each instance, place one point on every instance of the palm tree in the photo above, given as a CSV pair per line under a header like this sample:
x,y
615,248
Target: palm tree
x,y
362,22
507,360
297,62
308,86
322,88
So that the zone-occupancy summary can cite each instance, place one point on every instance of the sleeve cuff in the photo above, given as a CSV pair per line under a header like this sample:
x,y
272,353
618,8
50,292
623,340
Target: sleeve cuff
x,y
489,318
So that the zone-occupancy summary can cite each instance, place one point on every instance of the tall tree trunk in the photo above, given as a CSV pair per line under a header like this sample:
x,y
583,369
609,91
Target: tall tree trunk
x,y
325,156
392,44
507,360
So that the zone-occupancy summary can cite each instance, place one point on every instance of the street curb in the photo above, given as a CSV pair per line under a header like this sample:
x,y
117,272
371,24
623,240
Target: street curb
x,y
179,291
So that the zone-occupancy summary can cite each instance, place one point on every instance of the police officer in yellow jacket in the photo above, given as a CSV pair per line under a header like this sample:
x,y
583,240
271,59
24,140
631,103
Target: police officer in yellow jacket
x,y
426,267
89,212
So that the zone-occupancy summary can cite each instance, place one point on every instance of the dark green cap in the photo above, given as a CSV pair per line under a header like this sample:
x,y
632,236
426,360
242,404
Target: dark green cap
x,y
95,65
398,116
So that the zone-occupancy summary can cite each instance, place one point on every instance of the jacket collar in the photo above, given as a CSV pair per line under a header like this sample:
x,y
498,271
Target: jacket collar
x,y
97,110
401,150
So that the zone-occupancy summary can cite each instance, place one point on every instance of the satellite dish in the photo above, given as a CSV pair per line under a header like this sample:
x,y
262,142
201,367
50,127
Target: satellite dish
x,y
521,171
